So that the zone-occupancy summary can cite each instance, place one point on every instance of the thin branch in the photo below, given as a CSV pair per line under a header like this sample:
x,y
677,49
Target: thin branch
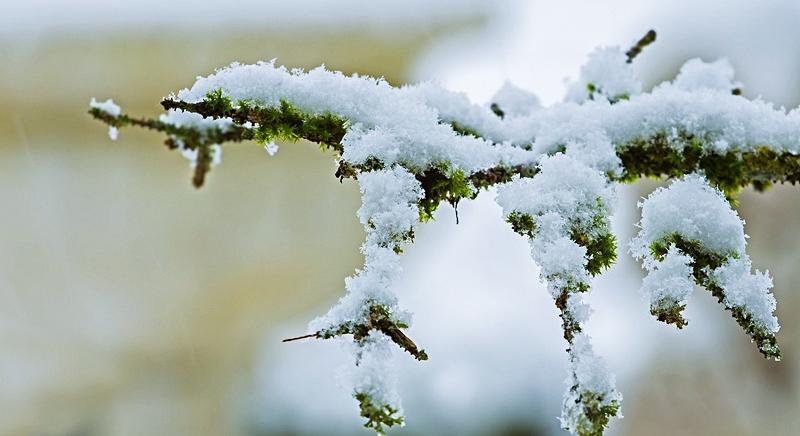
x,y
297,338
637,48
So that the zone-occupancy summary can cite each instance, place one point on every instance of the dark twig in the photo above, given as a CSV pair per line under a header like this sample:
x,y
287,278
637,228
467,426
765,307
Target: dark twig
x,y
297,338
637,48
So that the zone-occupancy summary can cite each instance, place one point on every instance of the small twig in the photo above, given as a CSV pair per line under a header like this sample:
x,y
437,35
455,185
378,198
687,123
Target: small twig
x,y
637,48
312,335
497,111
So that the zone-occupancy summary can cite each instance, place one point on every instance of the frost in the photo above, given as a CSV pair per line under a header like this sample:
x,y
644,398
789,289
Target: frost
x,y
113,133
108,106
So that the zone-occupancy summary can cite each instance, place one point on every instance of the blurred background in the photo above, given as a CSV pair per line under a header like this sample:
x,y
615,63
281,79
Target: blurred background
x,y
133,304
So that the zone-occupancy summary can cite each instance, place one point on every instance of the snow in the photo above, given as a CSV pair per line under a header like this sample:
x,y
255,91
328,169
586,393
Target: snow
x,y
609,73
180,118
409,125
693,209
748,291
107,106
271,148
515,101
113,133
578,308
373,372
669,281
697,74
567,194
388,213
589,375
191,154
389,206
416,139
564,186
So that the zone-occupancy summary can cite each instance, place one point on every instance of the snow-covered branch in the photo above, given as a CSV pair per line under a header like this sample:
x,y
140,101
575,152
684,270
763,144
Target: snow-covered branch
x,y
413,147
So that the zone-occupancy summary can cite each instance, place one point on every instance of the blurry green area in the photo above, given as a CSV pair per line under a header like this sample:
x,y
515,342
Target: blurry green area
x,y
130,303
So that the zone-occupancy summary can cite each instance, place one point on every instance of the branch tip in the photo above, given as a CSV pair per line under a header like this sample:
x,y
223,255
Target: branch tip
x,y
297,338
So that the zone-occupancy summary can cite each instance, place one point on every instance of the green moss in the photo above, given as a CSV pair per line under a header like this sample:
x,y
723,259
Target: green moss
x,y
670,313
594,90
218,103
522,223
596,413
441,183
657,156
464,130
284,122
377,416
601,249
500,174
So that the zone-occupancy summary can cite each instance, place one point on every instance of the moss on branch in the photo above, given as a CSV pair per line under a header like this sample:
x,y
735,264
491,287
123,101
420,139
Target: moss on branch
x,y
377,415
703,262
378,317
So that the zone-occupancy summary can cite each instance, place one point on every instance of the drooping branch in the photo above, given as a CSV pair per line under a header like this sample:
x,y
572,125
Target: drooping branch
x,y
690,234
564,212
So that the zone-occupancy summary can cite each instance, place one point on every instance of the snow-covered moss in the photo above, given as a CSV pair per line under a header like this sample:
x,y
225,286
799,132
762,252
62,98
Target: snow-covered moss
x,y
690,230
